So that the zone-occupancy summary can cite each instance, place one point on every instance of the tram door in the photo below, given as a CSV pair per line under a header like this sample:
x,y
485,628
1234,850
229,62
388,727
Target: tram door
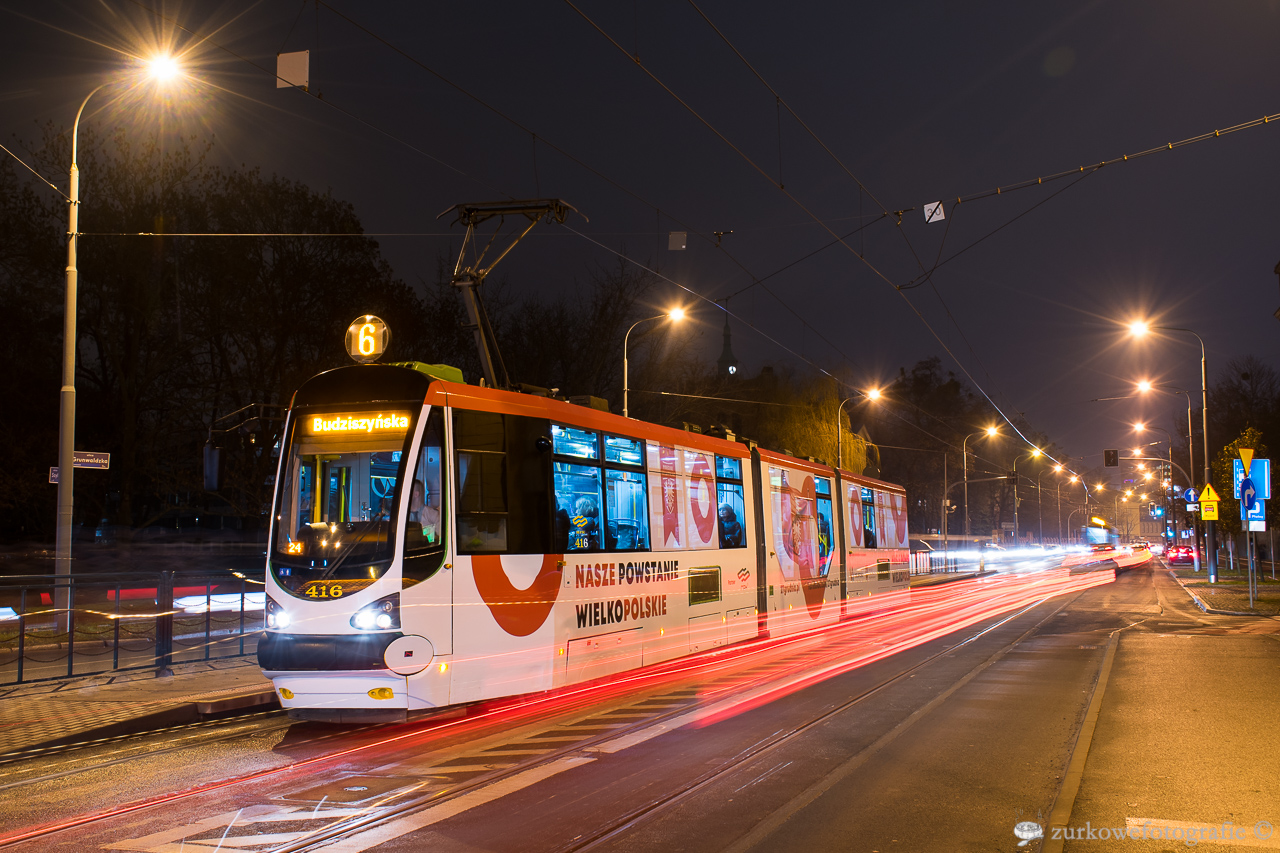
x,y
428,575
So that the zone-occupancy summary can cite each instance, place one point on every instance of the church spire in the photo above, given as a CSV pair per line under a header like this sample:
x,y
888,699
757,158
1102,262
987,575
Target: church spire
x,y
727,364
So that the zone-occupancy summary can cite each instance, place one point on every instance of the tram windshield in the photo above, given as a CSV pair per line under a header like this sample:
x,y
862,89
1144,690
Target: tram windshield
x,y
336,502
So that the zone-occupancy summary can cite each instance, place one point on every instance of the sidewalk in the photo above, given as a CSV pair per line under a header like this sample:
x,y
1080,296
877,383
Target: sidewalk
x,y
1182,752
42,714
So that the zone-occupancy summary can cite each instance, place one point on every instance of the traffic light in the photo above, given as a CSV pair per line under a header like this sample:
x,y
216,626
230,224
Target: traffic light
x,y
1111,459
1010,477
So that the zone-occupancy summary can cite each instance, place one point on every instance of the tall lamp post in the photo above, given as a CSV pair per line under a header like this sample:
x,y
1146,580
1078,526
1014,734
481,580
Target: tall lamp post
x,y
1140,428
1144,385
1139,329
873,395
989,432
1035,452
1057,469
675,315
160,68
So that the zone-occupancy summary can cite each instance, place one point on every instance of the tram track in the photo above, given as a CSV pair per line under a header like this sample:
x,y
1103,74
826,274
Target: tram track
x,y
620,825
254,723
806,658
727,657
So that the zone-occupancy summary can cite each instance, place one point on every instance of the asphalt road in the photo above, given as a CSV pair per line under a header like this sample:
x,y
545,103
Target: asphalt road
x,y
945,746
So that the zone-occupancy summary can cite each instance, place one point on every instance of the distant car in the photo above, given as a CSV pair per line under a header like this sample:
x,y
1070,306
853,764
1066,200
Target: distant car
x,y
1157,548
1101,546
1181,554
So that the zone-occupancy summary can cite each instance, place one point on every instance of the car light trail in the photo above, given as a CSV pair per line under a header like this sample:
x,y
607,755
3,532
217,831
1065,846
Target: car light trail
x,y
878,627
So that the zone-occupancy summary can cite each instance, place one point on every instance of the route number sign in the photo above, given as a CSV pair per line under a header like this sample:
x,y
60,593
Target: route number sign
x,y
367,339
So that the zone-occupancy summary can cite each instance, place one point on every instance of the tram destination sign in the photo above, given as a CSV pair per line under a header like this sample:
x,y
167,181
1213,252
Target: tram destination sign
x,y
356,423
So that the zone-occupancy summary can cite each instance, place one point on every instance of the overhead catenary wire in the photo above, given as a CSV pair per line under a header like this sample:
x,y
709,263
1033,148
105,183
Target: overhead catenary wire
x,y
800,204
616,184
495,111
49,183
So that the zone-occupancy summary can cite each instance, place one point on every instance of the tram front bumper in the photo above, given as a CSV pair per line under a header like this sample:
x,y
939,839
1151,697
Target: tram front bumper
x,y
346,697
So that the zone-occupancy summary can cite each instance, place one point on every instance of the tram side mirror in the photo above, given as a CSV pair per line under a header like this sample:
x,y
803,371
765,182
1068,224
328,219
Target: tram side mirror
x,y
212,467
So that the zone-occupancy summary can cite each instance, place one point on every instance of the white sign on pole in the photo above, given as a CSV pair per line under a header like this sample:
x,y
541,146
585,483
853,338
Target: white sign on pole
x,y
933,212
293,69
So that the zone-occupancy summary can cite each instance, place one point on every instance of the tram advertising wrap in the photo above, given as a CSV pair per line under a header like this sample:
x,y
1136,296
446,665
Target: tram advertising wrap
x,y
435,543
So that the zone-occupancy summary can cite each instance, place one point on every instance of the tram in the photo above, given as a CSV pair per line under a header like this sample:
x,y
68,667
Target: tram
x,y
435,543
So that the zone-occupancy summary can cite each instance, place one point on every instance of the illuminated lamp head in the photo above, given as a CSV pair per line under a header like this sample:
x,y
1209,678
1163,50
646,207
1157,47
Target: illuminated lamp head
x,y
163,68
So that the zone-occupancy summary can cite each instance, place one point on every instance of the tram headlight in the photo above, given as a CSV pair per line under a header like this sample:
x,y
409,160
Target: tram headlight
x,y
380,615
277,618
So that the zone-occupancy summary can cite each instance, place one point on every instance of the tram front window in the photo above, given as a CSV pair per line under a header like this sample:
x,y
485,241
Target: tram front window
x,y
335,509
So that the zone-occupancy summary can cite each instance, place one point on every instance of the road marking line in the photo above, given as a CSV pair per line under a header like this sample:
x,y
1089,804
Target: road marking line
x,y
172,839
394,829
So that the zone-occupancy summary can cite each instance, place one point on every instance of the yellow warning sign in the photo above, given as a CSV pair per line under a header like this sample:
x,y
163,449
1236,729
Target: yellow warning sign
x,y
1246,456
1208,494
1209,510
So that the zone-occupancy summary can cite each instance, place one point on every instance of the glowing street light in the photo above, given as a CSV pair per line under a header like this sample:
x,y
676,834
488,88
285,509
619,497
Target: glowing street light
x,y
67,397
872,394
1139,328
675,315
163,68
1034,454
989,432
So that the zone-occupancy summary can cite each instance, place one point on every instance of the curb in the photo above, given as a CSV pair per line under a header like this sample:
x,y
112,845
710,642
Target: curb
x,y
174,715
1200,602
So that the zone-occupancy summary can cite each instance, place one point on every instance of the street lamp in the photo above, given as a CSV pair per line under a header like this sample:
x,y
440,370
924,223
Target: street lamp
x,y
1057,469
1141,427
872,395
675,315
1139,329
1144,385
160,68
1035,452
989,432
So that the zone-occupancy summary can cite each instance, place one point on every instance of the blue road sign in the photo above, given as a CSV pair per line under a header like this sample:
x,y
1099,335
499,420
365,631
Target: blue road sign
x,y
1190,496
1259,472
1258,512
1248,494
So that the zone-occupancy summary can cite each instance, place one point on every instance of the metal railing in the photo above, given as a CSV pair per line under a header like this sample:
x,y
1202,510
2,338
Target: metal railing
x,y
77,625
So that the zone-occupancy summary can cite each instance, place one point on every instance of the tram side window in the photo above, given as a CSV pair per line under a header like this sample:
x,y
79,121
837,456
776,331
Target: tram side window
x,y
731,505
868,519
826,538
482,493
601,499
626,501
578,506
423,528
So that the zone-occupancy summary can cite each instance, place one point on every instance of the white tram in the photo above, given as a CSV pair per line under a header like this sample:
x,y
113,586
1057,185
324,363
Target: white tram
x,y
436,543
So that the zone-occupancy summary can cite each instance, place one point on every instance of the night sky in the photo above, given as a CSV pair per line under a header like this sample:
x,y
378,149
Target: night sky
x,y
920,101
